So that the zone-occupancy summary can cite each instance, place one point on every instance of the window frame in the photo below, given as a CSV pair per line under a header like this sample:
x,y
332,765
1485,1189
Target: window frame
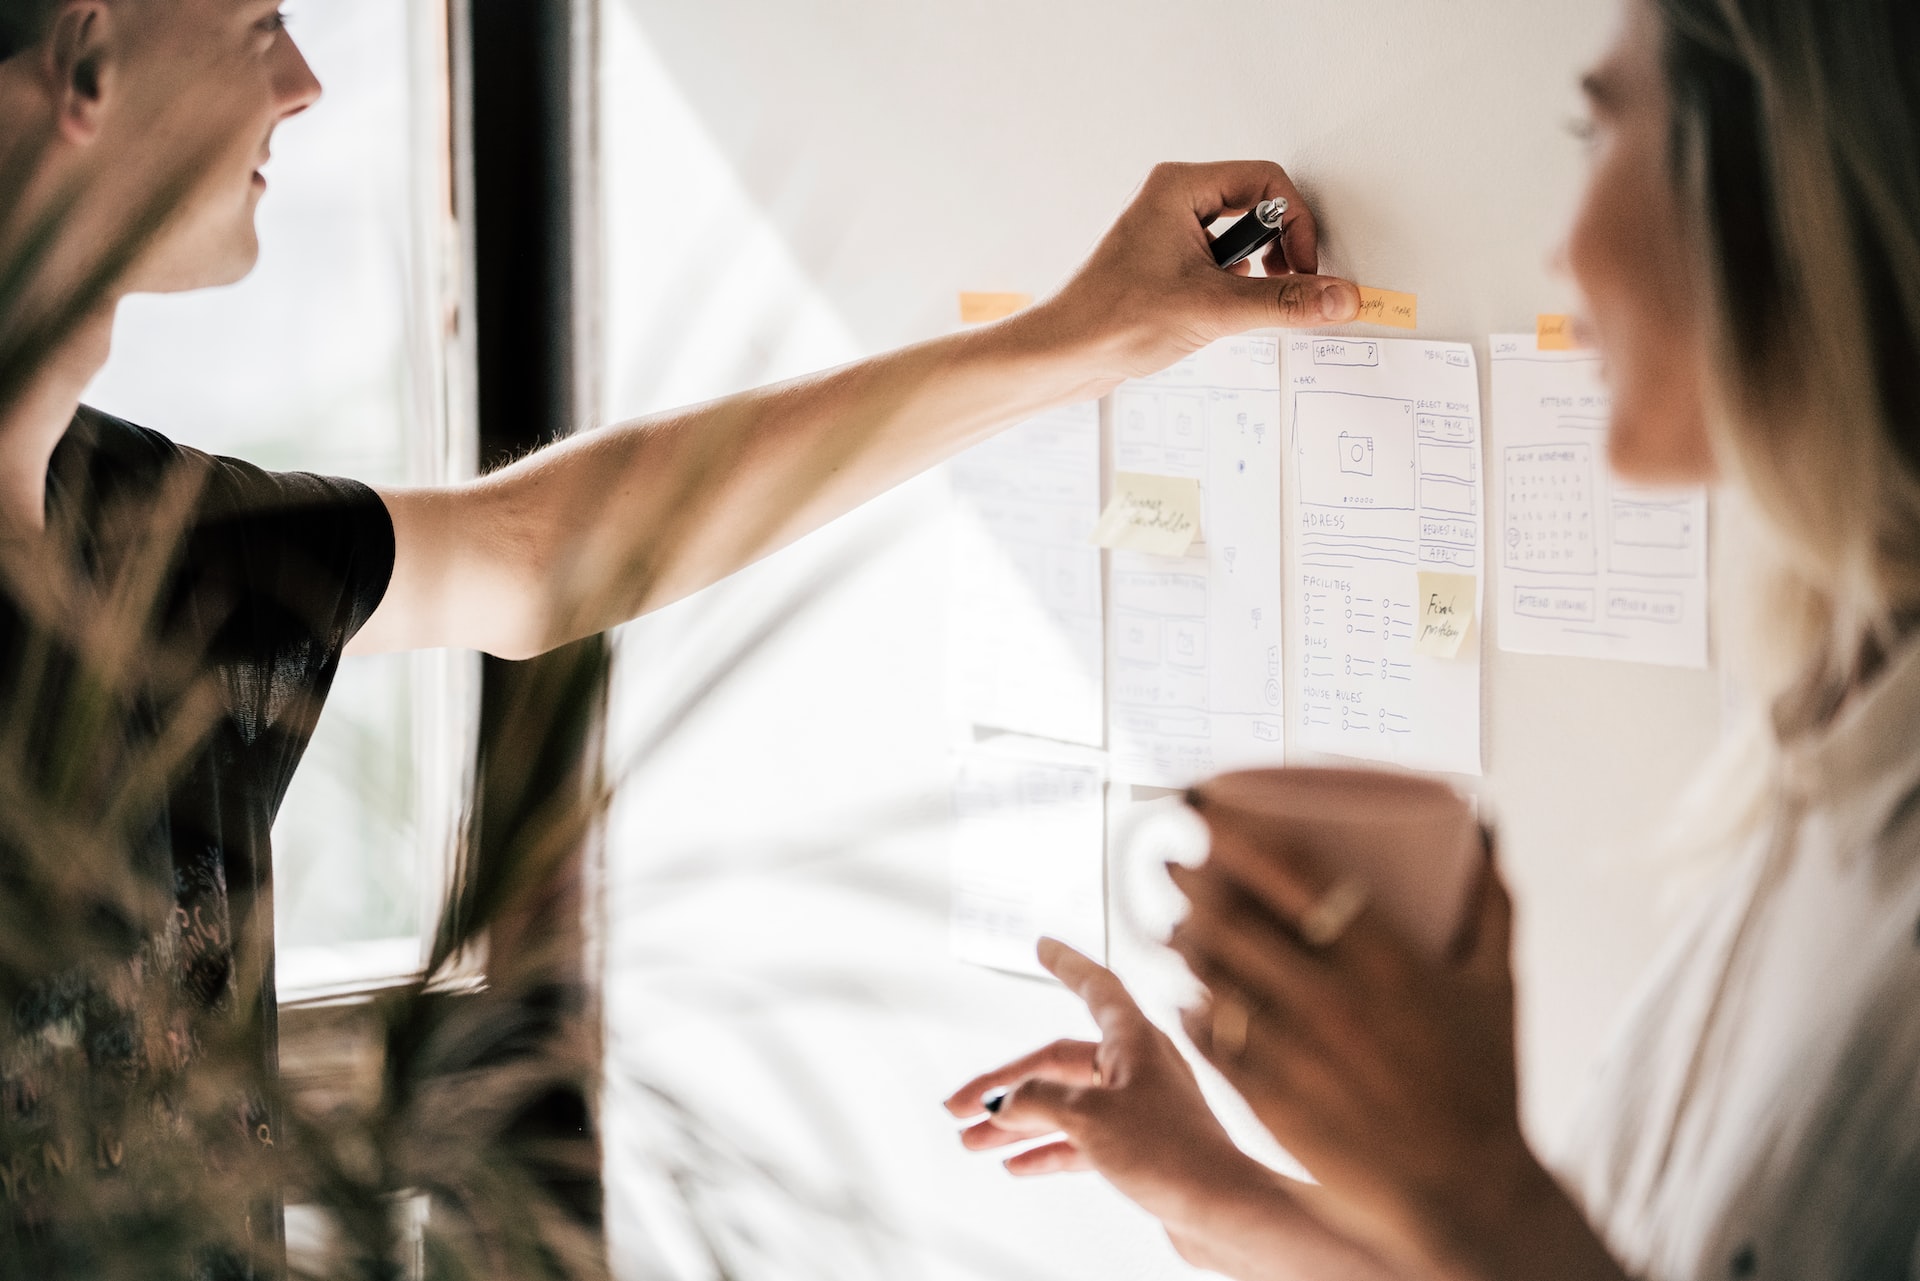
x,y
508,233
441,449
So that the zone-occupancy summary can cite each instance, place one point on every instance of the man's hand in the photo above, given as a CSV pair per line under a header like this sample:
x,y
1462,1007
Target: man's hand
x,y
597,529
1130,1108
1152,293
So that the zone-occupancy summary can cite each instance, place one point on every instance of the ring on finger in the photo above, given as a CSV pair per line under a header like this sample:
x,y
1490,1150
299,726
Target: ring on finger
x,y
1333,914
1230,1019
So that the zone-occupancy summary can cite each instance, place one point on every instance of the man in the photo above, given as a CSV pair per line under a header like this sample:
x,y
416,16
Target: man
x,y
148,587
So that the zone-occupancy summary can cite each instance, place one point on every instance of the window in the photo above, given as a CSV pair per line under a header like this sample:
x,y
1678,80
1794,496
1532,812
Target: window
x,y
336,356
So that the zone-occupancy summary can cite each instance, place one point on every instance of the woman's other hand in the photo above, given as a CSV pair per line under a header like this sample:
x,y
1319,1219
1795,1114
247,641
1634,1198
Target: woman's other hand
x,y
1129,1107
1150,293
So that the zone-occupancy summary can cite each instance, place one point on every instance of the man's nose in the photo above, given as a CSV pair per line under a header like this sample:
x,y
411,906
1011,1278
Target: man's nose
x,y
297,88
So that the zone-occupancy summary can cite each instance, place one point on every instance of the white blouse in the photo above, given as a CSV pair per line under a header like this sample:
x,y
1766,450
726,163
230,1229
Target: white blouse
x,y
1759,1114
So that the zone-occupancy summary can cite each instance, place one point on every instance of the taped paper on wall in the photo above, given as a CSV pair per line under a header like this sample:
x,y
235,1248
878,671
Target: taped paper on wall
x,y
1386,470
1159,515
1026,642
1028,854
1195,659
1590,566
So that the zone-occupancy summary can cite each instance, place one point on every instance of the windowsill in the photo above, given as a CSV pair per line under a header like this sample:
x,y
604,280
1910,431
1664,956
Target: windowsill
x,y
318,975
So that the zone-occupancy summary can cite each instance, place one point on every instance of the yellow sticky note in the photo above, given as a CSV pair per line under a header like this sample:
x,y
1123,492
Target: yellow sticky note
x,y
1159,515
978,309
1555,333
1446,613
1385,307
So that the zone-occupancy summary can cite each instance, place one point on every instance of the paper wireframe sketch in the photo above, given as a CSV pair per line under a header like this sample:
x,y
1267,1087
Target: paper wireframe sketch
x,y
1386,467
1026,646
1028,851
1196,678
1590,566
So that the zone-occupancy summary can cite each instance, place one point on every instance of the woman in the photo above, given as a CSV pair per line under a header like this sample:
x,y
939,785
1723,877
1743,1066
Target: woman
x,y
1749,250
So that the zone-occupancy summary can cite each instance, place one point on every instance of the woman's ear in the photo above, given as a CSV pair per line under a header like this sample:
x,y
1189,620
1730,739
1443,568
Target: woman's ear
x,y
79,67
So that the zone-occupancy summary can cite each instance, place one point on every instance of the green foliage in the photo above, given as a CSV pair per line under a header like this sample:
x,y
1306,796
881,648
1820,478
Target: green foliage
x,y
429,1149
138,1135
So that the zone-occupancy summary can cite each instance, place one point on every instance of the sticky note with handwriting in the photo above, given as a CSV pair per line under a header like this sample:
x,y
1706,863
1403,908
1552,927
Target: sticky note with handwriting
x,y
978,309
1554,333
1158,515
1446,613
1385,307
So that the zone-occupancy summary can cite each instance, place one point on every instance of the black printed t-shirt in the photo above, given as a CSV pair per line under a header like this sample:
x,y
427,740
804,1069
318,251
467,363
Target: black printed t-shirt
x,y
166,672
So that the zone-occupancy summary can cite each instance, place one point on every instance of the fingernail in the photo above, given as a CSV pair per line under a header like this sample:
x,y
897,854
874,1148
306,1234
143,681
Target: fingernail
x,y
1337,302
993,1101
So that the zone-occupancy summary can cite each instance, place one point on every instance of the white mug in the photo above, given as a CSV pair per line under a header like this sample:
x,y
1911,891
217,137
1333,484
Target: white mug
x,y
1412,844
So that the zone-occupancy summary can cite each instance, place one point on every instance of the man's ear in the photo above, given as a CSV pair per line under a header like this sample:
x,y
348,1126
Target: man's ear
x,y
79,67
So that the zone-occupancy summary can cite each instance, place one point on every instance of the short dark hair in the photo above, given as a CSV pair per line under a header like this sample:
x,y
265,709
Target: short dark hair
x,y
22,24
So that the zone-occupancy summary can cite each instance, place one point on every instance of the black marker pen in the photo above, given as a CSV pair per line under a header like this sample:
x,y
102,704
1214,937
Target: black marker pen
x,y
1252,233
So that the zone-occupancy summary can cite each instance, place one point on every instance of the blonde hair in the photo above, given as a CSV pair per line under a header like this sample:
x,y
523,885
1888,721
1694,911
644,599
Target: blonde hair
x,y
1795,150
1796,158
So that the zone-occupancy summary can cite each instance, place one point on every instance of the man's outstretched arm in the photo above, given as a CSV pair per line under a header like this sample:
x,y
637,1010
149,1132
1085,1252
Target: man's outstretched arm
x,y
601,528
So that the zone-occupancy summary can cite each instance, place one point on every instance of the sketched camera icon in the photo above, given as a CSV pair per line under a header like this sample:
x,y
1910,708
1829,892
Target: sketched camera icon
x,y
1356,454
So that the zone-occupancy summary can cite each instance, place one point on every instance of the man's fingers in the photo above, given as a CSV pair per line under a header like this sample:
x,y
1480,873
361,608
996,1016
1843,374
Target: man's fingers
x,y
1299,248
1299,301
1273,259
1291,254
1212,190
1049,1158
1065,1062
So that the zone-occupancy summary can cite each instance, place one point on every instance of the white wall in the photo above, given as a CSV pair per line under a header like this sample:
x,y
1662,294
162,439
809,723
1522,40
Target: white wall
x,y
797,183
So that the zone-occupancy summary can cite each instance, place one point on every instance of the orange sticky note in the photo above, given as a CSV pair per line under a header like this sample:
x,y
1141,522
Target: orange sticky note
x,y
1385,307
1555,333
978,309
